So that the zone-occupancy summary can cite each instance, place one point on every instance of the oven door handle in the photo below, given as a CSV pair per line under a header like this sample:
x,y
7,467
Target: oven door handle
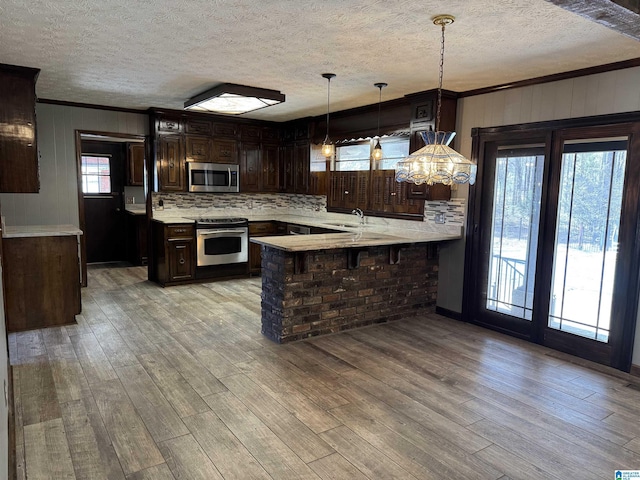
x,y
208,233
229,177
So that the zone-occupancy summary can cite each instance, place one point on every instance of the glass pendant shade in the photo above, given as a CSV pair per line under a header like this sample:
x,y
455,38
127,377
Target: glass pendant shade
x,y
436,162
328,148
377,151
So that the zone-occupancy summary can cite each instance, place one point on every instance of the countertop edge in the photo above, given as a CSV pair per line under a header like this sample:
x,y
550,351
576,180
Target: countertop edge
x,y
26,231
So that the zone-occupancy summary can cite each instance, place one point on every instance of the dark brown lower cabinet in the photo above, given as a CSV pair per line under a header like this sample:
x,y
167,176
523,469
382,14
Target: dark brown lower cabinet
x,y
174,253
259,229
136,234
42,281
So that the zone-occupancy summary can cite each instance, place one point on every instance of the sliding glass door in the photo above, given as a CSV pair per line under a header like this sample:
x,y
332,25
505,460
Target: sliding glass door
x,y
553,236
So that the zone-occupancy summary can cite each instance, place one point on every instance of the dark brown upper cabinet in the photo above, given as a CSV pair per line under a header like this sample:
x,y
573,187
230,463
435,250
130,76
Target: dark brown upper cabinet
x,y
18,146
171,164
135,164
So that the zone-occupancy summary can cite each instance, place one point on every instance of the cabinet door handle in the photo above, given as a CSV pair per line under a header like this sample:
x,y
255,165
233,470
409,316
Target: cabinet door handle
x,y
181,261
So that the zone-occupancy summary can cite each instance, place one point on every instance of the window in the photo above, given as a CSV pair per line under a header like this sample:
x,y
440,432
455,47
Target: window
x,y
394,150
356,156
96,174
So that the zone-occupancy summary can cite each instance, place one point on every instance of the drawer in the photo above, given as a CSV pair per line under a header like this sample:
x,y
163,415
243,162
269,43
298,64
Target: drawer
x,y
262,228
180,231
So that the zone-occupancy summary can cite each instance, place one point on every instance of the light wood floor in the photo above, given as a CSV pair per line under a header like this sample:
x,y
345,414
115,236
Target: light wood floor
x,y
178,383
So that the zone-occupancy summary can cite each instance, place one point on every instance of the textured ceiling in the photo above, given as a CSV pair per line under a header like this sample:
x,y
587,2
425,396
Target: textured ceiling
x,y
144,53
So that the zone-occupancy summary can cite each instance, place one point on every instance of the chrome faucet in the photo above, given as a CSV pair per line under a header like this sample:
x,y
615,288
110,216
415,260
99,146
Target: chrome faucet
x,y
360,214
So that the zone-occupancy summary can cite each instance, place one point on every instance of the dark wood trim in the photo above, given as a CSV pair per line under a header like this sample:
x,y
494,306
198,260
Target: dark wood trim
x,y
81,220
12,424
81,214
489,133
555,77
445,312
89,105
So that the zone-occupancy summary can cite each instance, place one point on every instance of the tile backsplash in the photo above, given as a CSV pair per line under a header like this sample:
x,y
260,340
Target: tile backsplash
x,y
195,204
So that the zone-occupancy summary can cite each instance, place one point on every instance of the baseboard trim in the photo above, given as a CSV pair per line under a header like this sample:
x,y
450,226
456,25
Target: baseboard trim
x,y
445,312
635,370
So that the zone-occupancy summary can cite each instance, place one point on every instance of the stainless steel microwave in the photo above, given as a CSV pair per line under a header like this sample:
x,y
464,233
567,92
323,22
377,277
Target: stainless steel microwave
x,y
213,177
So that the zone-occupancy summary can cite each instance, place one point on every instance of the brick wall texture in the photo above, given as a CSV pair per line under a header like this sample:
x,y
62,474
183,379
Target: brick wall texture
x,y
328,297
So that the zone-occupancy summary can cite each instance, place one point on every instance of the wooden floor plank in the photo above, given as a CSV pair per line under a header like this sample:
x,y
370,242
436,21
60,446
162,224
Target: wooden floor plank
x,y
513,466
39,401
295,434
95,363
47,452
274,456
114,346
158,415
157,472
366,458
336,466
227,453
132,442
89,444
186,459
68,376
423,461
200,379
291,398
182,397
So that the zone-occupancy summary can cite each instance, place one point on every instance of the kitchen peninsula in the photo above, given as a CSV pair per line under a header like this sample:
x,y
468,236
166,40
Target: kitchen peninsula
x,y
324,283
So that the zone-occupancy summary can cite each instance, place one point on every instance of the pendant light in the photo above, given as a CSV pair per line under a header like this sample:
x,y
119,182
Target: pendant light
x,y
377,150
436,162
328,148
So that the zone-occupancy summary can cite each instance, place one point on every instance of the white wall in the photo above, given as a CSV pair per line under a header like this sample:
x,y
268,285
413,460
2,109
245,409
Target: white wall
x,y
57,202
611,92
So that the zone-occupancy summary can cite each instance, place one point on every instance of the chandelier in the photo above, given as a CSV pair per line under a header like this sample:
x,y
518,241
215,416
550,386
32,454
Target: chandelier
x,y
436,162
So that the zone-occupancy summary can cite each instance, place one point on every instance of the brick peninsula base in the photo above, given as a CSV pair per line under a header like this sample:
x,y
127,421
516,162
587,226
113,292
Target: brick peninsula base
x,y
325,291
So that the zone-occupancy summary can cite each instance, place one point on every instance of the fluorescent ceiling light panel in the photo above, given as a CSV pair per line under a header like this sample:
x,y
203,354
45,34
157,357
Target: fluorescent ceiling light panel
x,y
231,99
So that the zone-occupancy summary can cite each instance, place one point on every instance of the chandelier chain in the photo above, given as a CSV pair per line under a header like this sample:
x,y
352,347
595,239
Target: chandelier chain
x,y
328,96
440,77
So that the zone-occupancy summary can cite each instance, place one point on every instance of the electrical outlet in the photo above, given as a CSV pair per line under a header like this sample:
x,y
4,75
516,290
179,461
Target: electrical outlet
x,y
439,218
130,200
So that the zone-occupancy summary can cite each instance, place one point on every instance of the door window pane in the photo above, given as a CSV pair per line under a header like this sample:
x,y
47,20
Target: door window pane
x,y
514,231
96,174
586,241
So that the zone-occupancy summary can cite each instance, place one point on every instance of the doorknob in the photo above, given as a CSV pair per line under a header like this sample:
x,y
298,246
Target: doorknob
x,y
118,209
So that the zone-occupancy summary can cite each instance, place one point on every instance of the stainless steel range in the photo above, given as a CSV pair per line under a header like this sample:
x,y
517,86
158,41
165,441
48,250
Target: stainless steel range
x,y
222,241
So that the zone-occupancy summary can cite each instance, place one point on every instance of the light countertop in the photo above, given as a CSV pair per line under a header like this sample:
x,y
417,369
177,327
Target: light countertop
x,y
354,235
353,239
40,231
136,208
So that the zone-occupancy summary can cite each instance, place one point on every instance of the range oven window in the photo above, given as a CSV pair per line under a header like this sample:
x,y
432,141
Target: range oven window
x,y
222,245
219,246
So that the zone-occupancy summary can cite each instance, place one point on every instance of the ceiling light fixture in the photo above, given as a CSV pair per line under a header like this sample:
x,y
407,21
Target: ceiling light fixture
x,y
436,162
328,149
232,99
377,150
